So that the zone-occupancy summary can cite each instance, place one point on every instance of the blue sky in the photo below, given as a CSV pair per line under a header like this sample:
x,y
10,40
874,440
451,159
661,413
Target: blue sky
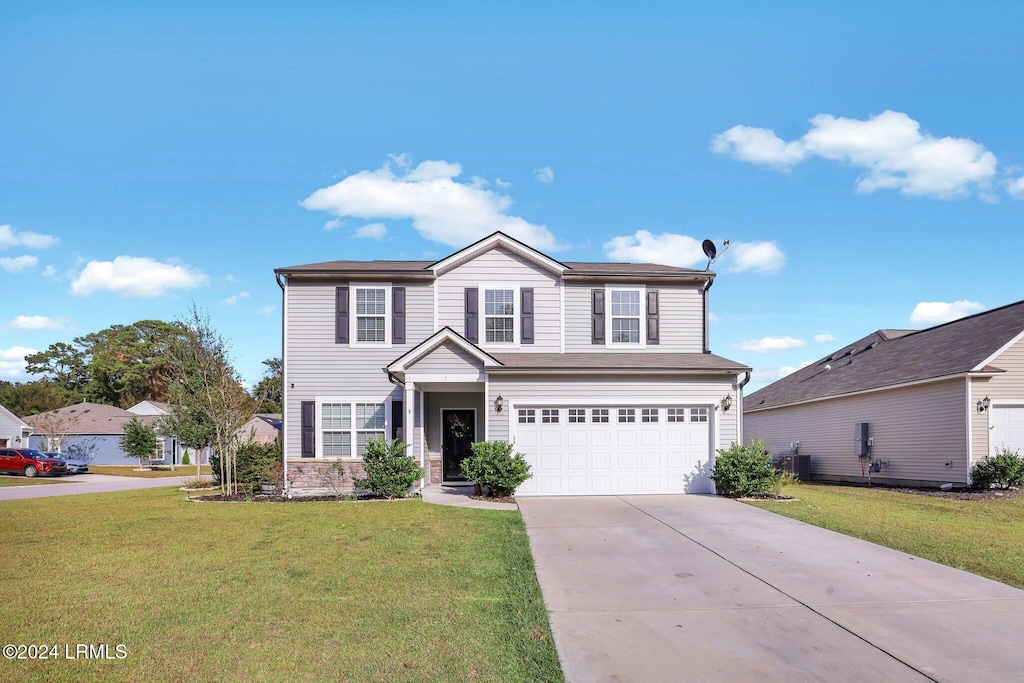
x,y
864,158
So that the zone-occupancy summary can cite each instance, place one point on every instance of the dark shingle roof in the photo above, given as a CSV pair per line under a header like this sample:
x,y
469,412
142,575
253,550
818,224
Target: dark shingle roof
x,y
422,268
616,362
87,418
891,357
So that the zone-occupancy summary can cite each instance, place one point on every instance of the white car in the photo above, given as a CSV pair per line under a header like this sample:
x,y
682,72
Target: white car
x,y
74,466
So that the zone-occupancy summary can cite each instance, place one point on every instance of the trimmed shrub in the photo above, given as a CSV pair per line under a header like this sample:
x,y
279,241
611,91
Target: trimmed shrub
x,y
389,471
494,465
1003,470
184,459
744,470
255,463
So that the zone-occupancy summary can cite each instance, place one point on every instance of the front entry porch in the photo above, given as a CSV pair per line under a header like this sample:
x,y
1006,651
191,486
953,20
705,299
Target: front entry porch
x,y
454,418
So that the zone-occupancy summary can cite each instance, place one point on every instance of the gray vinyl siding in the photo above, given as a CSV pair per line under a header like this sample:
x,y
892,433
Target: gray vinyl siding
x,y
318,367
1007,387
10,429
446,359
916,428
437,401
96,449
612,392
503,266
680,319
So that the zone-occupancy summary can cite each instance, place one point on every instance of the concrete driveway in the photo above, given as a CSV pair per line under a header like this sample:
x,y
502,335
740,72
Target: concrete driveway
x,y
676,588
86,483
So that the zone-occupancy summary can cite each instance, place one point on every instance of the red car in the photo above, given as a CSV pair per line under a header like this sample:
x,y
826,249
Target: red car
x,y
30,463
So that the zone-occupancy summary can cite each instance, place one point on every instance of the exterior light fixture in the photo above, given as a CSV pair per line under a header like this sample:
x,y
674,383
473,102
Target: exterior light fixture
x,y
727,402
499,404
983,404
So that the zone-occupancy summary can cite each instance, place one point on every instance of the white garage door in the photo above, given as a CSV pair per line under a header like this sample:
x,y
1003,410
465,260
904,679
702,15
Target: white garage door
x,y
1007,428
614,450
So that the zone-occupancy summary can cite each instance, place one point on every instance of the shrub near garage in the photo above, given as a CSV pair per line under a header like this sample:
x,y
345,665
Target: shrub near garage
x,y
1003,470
744,470
494,465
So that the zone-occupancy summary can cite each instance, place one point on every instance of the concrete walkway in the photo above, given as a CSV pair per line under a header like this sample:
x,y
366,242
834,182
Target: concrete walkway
x,y
660,588
87,483
458,496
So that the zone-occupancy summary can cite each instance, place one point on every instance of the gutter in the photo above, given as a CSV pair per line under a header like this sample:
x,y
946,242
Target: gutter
x,y
704,313
394,380
284,390
745,380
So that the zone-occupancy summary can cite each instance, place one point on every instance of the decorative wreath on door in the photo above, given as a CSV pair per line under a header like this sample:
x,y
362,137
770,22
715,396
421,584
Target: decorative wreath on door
x,y
457,426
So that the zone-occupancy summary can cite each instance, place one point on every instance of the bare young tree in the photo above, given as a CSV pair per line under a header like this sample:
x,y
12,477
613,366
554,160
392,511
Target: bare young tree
x,y
57,427
207,390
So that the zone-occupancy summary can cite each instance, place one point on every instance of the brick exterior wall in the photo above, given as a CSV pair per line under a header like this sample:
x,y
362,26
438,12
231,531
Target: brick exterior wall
x,y
434,464
322,476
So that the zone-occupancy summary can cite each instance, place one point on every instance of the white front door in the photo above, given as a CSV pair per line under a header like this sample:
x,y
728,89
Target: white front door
x,y
614,450
1007,422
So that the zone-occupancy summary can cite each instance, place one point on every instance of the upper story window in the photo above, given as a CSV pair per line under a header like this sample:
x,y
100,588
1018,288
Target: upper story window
x,y
371,314
499,316
625,316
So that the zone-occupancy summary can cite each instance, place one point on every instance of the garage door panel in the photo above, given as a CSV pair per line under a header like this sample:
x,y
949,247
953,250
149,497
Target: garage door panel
x,y
648,456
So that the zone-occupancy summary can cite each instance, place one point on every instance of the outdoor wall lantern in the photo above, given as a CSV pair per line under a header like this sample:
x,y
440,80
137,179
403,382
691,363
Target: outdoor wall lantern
x,y
727,402
983,404
499,404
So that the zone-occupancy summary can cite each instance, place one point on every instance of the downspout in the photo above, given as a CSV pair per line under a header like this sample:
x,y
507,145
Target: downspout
x,y
745,380
704,313
394,380
284,393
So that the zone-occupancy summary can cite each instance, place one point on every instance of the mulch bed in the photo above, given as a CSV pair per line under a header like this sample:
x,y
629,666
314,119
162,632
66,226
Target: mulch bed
x,y
499,499
960,493
769,496
274,498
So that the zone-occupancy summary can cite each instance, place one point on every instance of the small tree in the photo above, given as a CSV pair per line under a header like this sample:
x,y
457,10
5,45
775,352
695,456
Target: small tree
x,y
389,471
139,440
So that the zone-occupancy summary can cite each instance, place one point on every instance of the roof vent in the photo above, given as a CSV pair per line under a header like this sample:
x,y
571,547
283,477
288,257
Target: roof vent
x,y
828,367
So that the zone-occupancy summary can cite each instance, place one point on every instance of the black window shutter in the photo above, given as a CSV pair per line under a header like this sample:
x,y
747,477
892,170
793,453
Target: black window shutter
x,y
652,317
398,315
341,316
526,331
397,417
308,430
471,314
597,316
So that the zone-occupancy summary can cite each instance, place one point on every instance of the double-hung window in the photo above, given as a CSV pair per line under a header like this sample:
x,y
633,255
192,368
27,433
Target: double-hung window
x,y
371,314
626,319
343,424
499,316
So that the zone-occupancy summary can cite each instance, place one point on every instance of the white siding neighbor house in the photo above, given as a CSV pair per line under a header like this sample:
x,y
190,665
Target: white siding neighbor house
x,y
599,373
14,432
935,401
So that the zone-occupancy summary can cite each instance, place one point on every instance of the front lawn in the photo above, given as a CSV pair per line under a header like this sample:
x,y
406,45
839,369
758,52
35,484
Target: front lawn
x,y
131,471
18,480
377,591
984,537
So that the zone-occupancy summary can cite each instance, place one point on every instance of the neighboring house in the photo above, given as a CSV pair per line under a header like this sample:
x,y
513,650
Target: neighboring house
x,y
88,431
934,400
599,373
174,452
14,432
262,428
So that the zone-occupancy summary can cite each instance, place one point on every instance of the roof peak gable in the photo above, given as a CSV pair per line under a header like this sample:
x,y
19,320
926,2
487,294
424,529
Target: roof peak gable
x,y
493,241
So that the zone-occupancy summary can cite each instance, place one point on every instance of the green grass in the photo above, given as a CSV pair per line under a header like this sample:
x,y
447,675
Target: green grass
x,y
982,537
377,591
18,480
131,471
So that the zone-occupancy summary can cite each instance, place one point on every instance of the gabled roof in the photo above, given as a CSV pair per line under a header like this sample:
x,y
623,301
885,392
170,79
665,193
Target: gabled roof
x,y
444,335
14,418
87,418
430,270
151,408
888,358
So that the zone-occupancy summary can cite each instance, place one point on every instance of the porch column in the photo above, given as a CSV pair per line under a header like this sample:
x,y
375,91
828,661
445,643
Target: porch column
x,y
409,406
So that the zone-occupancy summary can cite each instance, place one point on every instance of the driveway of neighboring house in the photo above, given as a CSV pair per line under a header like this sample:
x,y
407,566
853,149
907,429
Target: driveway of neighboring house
x,y
659,588
86,483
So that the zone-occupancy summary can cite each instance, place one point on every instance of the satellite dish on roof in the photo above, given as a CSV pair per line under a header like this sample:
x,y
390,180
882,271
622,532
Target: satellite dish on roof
x,y
711,251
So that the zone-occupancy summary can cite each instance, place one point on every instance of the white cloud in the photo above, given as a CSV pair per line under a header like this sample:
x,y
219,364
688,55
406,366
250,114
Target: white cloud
x,y
683,251
373,231
1016,187
770,344
49,271
767,375
36,322
758,257
544,174
823,338
333,224
502,183
9,237
234,299
135,277
938,312
12,362
441,209
890,147
18,263
266,310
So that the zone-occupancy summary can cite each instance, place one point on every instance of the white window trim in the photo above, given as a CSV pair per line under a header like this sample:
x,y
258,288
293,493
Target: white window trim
x,y
517,315
353,317
608,343
319,422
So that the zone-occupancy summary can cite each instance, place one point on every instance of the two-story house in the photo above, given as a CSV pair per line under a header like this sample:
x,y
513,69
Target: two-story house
x,y
599,373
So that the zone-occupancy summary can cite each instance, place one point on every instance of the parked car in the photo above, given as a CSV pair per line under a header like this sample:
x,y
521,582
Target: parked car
x,y
30,462
74,466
